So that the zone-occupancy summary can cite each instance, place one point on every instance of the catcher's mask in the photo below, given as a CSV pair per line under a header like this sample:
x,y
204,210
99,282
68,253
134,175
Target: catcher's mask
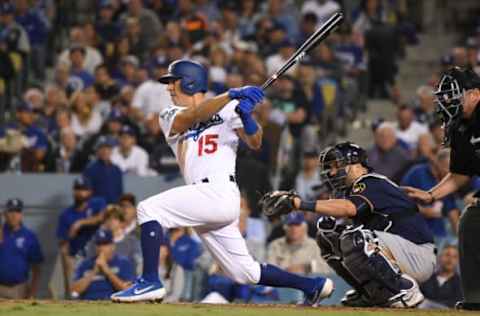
x,y
333,163
450,96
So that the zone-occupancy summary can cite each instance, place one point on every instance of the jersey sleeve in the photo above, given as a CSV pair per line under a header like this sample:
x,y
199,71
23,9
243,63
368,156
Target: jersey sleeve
x,y
362,196
233,118
166,119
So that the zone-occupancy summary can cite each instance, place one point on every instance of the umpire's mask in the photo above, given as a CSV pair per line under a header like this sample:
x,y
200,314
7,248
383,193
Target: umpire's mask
x,y
450,96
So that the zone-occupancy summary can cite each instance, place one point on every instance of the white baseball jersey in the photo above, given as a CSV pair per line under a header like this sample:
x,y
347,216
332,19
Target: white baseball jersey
x,y
206,149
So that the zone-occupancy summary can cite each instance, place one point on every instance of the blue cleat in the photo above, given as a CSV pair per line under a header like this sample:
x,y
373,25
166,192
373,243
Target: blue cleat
x,y
140,291
323,290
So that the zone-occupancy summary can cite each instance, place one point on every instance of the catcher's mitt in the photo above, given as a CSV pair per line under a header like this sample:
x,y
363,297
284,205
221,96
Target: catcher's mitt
x,y
277,203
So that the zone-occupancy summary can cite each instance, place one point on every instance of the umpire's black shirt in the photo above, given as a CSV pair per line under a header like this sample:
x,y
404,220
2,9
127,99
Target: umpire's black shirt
x,y
465,146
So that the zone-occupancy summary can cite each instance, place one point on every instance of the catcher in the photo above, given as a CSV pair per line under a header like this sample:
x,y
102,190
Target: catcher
x,y
387,249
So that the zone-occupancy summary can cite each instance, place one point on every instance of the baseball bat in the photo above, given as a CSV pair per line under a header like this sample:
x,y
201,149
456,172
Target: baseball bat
x,y
314,39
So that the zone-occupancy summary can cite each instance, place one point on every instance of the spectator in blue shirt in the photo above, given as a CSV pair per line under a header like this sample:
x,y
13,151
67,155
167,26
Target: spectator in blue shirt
x,y
37,26
185,250
80,78
425,176
20,253
443,289
78,223
98,277
106,177
33,156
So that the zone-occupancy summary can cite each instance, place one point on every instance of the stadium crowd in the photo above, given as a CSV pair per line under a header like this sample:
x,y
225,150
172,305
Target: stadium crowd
x,y
78,83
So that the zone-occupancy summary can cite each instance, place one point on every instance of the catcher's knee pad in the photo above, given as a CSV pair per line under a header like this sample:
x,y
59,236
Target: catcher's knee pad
x,y
374,272
328,237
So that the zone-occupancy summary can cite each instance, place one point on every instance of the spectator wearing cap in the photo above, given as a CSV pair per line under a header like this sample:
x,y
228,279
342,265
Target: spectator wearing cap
x,y
15,36
130,157
92,57
105,176
37,27
80,78
98,277
425,176
308,178
296,252
36,145
20,254
77,223
387,156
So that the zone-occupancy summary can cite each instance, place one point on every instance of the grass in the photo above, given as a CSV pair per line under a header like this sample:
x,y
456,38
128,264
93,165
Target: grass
x,y
70,308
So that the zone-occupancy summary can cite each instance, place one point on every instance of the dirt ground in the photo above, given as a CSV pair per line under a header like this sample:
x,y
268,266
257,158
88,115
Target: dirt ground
x,y
105,308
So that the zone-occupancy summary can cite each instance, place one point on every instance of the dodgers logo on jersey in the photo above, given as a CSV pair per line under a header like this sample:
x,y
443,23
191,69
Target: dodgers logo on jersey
x,y
194,132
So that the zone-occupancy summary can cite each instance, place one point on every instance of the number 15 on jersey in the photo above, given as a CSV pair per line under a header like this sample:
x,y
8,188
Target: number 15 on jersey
x,y
207,144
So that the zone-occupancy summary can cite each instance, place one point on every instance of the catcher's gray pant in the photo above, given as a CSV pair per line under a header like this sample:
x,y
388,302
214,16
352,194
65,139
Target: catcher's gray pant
x,y
418,261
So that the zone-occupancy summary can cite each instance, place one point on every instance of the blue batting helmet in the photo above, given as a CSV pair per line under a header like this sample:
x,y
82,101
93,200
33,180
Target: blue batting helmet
x,y
193,76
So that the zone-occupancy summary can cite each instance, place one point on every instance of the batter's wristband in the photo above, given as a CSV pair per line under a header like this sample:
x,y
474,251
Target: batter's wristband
x,y
307,206
249,125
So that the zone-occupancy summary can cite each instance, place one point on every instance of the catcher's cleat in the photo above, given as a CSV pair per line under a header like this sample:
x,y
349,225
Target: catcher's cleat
x,y
410,296
140,291
353,298
323,290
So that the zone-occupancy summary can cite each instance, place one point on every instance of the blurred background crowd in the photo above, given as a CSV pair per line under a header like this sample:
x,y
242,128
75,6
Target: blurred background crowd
x,y
78,90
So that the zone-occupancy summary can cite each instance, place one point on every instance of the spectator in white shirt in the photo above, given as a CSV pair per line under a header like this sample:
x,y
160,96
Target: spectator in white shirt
x,y
275,61
323,9
93,58
152,95
308,178
129,156
407,129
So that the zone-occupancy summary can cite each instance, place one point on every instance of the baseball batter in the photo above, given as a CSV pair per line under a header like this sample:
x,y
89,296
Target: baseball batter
x,y
204,135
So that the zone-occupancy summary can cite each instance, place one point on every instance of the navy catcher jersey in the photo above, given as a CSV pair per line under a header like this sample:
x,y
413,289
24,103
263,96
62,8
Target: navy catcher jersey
x,y
382,205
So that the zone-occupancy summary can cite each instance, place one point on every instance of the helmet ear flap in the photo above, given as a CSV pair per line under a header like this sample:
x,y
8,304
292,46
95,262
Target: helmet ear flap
x,y
187,85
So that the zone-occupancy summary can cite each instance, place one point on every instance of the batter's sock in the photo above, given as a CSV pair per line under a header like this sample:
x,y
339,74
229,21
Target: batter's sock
x,y
151,238
272,276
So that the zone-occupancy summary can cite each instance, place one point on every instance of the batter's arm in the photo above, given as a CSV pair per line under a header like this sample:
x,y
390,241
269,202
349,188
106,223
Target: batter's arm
x,y
195,114
253,141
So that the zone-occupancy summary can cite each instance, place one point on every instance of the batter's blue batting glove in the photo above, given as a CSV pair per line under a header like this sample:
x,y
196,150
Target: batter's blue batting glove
x,y
245,107
255,94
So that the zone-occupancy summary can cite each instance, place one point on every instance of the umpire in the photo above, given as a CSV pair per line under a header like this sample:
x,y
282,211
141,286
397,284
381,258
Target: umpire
x,y
458,97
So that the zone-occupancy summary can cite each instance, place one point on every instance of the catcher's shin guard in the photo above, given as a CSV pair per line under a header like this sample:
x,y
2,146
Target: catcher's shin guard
x,y
375,273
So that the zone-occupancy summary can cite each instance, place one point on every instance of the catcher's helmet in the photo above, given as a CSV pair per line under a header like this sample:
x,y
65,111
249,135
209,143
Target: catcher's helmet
x,y
193,76
449,96
333,161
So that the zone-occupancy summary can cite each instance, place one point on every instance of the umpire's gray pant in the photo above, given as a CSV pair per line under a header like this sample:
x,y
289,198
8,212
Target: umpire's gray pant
x,y
469,247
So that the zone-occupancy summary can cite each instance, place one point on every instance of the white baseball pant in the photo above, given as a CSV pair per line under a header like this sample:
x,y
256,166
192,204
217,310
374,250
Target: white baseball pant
x,y
212,209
